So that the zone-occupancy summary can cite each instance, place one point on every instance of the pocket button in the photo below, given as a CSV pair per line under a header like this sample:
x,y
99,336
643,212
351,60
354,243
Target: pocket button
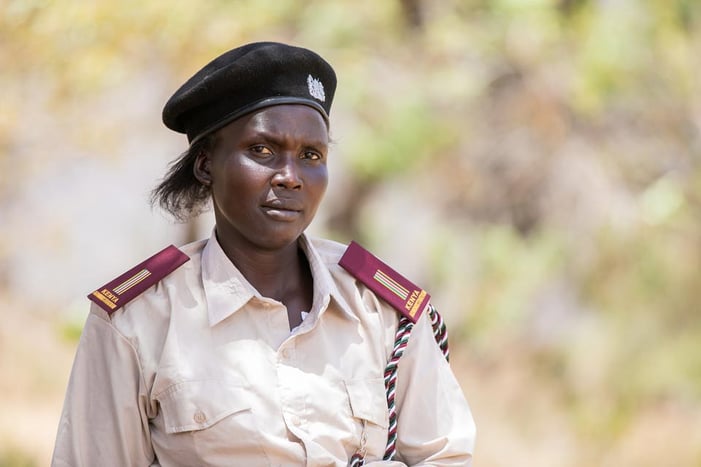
x,y
199,417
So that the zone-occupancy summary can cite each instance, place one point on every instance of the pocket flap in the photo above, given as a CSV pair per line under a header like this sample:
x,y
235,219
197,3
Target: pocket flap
x,y
368,400
196,405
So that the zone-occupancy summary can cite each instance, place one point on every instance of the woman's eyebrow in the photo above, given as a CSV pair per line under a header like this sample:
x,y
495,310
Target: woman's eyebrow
x,y
279,138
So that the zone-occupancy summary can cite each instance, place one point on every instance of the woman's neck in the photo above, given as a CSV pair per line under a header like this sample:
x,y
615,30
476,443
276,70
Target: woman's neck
x,y
277,274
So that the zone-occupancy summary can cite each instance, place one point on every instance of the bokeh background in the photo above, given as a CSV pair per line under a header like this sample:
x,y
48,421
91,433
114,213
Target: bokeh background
x,y
534,164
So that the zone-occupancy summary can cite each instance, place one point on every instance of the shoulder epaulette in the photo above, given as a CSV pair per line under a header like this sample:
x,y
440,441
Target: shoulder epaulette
x,y
403,295
117,293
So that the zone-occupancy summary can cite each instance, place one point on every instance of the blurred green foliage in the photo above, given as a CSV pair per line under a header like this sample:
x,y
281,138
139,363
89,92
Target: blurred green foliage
x,y
13,457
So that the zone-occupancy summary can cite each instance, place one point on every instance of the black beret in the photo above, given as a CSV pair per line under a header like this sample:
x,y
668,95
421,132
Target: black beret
x,y
248,78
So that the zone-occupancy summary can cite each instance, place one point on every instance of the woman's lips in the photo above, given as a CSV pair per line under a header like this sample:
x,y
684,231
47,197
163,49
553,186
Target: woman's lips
x,y
285,210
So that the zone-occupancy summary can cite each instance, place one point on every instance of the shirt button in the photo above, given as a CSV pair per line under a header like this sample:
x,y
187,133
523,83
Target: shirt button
x,y
199,417
286,353
296,421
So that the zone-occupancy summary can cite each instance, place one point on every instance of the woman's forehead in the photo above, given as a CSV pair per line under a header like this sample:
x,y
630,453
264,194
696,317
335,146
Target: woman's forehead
x,y
282,120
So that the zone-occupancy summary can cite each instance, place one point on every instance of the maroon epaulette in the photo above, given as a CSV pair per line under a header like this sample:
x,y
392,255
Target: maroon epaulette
x,y
114,295
388,284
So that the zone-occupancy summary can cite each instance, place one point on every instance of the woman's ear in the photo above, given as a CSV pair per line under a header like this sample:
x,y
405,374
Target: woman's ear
x,y
201,168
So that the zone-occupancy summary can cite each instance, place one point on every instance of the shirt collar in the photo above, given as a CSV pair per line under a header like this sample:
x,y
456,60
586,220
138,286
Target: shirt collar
x,y
324,285
227,290
225,287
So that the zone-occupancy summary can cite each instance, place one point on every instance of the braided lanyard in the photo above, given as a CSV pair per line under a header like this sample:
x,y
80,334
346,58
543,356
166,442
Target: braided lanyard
x,y
401,339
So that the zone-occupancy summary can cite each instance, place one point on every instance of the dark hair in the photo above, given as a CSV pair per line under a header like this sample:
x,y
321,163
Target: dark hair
x,y
180,193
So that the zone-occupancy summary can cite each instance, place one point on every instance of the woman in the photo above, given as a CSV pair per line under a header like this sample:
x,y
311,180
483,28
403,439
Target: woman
x,y
255,347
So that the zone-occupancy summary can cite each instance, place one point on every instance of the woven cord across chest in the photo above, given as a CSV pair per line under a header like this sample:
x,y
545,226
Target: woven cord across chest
x,y
401,340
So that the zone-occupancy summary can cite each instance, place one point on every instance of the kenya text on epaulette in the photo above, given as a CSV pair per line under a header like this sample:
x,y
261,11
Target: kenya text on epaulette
x,y
117,293
388,284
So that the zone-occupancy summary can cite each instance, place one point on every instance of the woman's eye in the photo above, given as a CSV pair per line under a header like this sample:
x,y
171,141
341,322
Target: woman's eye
x,y
311,155
260,149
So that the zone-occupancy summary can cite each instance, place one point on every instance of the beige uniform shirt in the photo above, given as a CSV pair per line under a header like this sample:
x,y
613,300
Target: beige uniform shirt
x,y
202,370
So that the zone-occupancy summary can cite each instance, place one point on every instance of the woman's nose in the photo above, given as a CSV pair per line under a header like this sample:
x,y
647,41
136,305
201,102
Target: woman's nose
x,y
287,174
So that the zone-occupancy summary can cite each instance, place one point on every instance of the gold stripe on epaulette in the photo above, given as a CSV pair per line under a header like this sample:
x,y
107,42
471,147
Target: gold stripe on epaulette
x,y
132,281
104,299
391,284
417,303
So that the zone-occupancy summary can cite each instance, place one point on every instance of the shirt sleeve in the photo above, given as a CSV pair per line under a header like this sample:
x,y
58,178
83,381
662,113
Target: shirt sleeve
x,y
104,420
434,422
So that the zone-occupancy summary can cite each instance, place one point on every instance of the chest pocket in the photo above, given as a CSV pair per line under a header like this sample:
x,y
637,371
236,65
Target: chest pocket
x,y
368,403
197,405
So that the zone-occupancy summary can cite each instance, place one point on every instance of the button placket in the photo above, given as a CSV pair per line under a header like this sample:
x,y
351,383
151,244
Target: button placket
x,y
286,352
291,397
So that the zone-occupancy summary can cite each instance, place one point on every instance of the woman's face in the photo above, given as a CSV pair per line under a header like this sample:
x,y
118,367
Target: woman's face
x,y
267,173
